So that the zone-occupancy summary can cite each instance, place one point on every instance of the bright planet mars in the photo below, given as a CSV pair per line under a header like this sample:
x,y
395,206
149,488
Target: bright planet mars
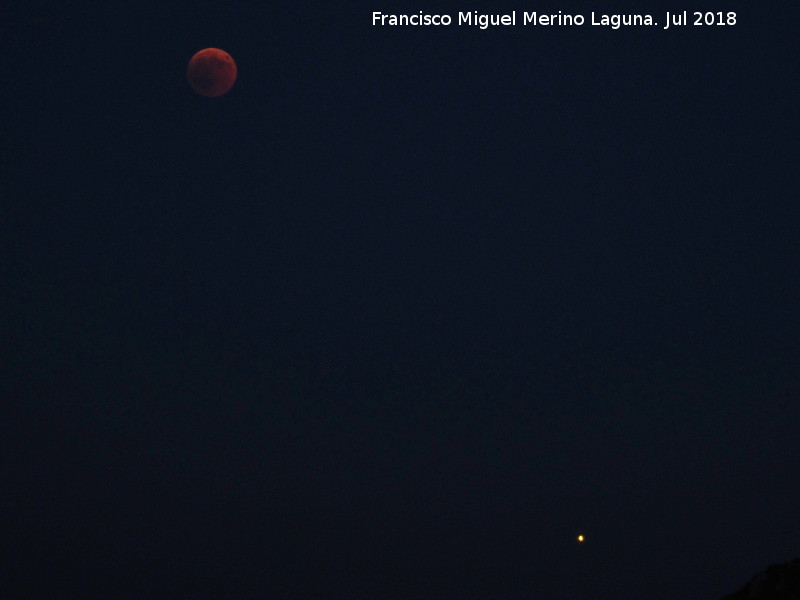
x,y
211,72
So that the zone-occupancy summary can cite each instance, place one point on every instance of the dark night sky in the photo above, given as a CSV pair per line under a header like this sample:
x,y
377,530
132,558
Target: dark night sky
x,y
404,312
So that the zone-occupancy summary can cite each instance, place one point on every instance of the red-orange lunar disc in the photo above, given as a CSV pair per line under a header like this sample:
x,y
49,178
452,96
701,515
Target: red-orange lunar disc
x,y
211,72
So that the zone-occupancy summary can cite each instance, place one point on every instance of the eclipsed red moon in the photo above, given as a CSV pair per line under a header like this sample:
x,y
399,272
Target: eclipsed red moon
x,y
211,72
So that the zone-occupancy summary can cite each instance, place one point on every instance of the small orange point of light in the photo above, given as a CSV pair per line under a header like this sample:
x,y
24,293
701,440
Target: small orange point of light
x,y
581,538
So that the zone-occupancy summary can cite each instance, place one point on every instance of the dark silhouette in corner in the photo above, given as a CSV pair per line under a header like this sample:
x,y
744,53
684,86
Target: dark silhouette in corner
x,y
778,582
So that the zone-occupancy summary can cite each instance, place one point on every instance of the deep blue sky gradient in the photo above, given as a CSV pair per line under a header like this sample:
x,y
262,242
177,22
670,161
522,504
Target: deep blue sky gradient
x,y
404,312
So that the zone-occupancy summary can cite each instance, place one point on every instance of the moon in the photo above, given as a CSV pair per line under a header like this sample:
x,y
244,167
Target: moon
x,y
211,72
